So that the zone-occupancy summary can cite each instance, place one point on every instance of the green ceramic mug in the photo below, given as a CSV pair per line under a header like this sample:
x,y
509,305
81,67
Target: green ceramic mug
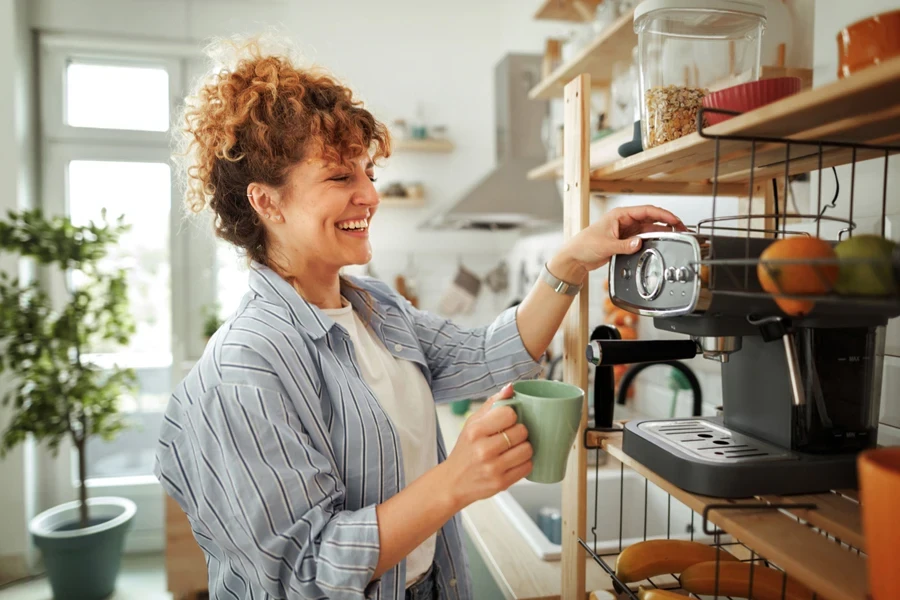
x,y
551,411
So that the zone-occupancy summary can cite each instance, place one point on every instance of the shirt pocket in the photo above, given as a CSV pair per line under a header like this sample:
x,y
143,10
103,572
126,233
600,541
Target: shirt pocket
x,y
398,336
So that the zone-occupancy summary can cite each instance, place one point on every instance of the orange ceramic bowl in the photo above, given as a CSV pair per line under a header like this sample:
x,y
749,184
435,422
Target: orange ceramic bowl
x,y
868,42
879,479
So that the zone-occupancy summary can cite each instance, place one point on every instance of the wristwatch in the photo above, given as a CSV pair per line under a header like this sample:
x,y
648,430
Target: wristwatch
x,y
559,286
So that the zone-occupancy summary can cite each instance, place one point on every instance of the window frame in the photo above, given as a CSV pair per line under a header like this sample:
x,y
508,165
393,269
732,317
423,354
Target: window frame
x,y
55,60
191,245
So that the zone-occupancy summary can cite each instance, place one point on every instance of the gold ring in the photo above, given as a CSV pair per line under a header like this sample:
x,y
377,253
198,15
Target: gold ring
x,y
506,437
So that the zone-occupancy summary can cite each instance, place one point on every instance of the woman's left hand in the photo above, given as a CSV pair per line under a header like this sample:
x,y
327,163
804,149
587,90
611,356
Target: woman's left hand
x,y
614,233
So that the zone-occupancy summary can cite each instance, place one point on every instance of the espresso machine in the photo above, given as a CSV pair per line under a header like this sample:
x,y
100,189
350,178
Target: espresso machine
x,y
800,396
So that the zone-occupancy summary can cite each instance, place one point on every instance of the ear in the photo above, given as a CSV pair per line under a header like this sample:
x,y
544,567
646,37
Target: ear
x,y
263,199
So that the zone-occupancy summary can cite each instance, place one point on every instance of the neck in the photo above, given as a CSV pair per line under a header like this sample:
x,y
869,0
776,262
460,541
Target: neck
x,y
318,284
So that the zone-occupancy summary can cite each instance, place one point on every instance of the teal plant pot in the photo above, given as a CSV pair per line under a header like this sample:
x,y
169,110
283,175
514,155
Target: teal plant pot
x,y
83,563
460,407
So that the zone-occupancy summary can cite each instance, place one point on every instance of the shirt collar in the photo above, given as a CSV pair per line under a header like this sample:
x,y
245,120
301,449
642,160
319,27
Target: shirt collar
x,y
273,288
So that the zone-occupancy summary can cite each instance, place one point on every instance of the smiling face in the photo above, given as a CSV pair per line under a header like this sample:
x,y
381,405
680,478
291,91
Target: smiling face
x,y
321,215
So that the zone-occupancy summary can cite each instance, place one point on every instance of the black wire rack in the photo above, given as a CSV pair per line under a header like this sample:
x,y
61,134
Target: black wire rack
x,y
697,530
735,274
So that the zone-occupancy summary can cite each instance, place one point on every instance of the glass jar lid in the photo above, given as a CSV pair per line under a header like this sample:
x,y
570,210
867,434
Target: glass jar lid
x,y
712,19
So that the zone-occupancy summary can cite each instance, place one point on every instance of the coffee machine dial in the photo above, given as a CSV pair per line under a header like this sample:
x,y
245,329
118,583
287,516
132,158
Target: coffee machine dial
x,y
648,273
661,279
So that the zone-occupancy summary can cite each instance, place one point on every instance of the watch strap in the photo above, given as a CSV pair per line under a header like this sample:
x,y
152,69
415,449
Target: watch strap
x,y
559,286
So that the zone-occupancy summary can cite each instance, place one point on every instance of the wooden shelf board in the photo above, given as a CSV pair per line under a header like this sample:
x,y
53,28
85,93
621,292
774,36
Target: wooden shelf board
x,y
567,10
603,151
614,44
818,562
402,201
836,514
549,170
861,108
426,145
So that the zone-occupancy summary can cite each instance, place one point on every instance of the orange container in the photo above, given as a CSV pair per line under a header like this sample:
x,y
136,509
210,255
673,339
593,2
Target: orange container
x,y
879,479
868,42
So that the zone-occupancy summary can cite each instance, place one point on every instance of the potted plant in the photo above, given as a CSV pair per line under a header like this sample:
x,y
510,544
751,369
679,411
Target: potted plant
x,y
57,393
211,320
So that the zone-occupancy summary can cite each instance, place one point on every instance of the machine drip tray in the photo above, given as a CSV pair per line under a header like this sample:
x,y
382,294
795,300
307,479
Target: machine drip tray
x,y
703,456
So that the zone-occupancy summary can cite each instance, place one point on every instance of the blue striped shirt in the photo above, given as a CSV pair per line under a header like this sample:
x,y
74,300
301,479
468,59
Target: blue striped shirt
x,y
278,452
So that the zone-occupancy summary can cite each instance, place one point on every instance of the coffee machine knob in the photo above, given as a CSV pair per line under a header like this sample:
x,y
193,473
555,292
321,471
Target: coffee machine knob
x,y
670,274
682,274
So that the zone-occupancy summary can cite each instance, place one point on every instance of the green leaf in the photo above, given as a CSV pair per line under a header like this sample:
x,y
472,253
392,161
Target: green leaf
x,y
54,392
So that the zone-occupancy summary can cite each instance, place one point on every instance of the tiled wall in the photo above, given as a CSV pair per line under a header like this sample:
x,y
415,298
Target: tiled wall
x,y
868,192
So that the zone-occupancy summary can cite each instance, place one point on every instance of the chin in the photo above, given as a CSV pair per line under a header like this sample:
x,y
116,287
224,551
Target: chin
x,y
359,260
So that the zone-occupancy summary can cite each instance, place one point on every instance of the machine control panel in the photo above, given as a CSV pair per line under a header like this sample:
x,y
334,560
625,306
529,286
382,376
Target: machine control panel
x,y
659,279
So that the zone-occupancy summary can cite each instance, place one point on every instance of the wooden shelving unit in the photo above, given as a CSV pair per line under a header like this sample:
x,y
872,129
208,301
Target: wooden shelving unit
x,y
863,108
817,561
603,151
596,59
402,202
567,10
426,145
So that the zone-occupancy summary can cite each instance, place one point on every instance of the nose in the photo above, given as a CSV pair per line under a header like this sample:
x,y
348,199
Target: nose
x,y
366,194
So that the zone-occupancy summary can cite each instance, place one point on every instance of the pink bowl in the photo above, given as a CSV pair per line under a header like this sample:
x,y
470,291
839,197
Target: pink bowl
x,y
747,96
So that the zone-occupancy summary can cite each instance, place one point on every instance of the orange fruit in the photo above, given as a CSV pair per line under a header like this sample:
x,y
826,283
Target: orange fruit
x,y
787,267
627,332
794,307
608,305
620,317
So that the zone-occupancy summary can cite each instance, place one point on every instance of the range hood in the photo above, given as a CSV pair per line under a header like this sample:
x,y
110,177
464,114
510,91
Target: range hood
x,y
505,198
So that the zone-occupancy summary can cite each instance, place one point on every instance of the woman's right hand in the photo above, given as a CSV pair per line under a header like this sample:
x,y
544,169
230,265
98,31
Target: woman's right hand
x,y
482,463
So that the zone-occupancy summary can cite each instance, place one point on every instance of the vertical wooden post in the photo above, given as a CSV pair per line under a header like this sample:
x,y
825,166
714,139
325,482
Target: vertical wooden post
x,y
576,215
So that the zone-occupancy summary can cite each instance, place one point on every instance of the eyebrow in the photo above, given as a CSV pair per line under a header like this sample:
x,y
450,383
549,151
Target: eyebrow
x,y
370,165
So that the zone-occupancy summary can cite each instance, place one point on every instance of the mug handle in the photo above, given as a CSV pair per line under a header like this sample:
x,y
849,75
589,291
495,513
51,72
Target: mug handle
x,y
513,402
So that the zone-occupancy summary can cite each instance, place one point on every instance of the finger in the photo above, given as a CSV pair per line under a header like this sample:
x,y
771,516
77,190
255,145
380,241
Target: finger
x,y
651,213
499,419
516,473
653,227
505,393
517,434
515,457
627,246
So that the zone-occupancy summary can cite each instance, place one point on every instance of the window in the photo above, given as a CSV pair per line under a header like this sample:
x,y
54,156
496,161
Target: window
x,y
231,278
109,96
106,147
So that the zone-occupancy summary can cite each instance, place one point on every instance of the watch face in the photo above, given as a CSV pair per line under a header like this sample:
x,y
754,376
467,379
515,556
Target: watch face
x,y
649,274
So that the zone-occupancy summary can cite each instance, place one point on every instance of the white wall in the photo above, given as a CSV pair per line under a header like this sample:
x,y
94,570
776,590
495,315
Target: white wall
x,y
868,189
17,189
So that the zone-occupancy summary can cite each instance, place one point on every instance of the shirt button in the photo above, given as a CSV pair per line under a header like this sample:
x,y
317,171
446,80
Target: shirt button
x,y
397,347
452,583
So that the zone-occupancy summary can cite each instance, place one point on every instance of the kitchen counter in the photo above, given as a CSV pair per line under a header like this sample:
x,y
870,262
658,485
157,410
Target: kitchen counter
x,y
518,572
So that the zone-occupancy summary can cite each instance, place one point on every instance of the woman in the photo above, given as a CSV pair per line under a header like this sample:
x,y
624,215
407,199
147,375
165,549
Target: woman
x,y
303,446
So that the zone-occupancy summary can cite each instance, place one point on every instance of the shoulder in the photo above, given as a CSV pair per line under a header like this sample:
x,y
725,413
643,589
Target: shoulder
x,y
258,344
379,290
384,298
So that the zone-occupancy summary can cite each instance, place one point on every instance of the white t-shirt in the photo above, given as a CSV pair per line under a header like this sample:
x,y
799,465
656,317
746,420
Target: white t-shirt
x,y
403,392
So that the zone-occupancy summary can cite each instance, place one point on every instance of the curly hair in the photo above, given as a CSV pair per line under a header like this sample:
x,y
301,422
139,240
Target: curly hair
x,y
252,121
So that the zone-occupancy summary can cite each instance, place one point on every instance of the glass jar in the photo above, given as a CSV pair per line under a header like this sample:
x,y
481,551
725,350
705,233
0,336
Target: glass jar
x,y
686,49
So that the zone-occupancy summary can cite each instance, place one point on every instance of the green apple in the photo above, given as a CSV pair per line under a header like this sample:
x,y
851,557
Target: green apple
x,y
865,266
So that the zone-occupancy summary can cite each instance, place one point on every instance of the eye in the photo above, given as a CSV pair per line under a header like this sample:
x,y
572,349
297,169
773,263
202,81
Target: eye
x,y
340,178
373,179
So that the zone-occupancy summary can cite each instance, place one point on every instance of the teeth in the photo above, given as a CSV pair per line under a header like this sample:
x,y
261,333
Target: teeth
x,y
360,224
